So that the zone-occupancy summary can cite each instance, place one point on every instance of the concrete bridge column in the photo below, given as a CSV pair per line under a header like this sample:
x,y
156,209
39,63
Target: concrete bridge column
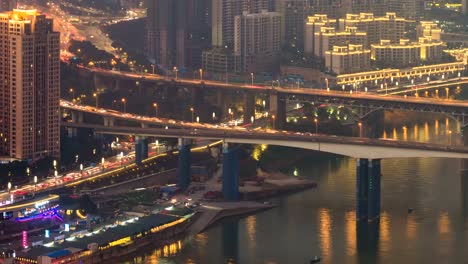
x,y
109,121
249,106
183,170
368,174
230,173
197,98
141,149
117,84
220,103
76,117
278,110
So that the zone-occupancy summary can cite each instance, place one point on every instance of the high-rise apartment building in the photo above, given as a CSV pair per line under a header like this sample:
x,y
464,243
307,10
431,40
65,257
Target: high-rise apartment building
x,y
331,8
294,13
7,5
408,9
177,31
30,85
329,37
223,13
388,27
407,53
312,26
347,59
428,29
257,41
166,27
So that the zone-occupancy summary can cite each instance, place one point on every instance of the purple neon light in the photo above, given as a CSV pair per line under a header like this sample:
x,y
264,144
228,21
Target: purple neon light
x,y
48,214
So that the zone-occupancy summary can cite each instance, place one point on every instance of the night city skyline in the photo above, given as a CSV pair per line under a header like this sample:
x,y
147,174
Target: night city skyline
x,y
233,131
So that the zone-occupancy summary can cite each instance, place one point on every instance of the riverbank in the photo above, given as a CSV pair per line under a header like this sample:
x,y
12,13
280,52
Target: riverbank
x,y
274,185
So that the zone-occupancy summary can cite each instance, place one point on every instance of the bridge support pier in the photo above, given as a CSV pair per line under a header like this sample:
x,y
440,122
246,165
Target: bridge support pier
x,y
368,174
183,170
249,106
109,121
76,117
278,110
230,173
197,98
141,149
220,103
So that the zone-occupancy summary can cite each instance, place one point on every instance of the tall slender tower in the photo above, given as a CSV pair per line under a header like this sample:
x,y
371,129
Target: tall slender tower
x,y
30,86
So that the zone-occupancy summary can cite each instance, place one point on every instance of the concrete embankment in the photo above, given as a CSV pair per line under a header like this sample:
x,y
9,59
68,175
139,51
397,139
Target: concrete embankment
x,y
210,213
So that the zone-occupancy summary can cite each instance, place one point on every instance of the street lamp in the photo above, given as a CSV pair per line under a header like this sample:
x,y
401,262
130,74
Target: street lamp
x,y
35,183
193,113
9,187
175,71
231,113
273,117
124,101
198,119
326,84
252,119
96,95
54,163
155,105
360,129
152,67
201,74
252,77
102,162
72,93
316,125
450,137
81,168
214,115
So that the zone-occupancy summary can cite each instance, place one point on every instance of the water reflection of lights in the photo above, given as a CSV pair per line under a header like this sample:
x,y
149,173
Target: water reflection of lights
x,y
166,251
426,132
350,222
415,132
411,227
258,151
384,232
325,228
443,223
251,223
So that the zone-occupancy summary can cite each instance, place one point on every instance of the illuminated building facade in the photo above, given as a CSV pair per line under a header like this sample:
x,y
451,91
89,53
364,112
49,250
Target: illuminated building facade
x,y
312,26
347,59
428,29
407,53
30,87
257,41
388,27
329,37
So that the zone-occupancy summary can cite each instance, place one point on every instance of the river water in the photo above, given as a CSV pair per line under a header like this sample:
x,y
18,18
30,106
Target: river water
x,y
322,221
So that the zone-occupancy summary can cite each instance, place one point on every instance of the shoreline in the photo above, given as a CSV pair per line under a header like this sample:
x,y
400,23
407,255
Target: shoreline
x,y
277,185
